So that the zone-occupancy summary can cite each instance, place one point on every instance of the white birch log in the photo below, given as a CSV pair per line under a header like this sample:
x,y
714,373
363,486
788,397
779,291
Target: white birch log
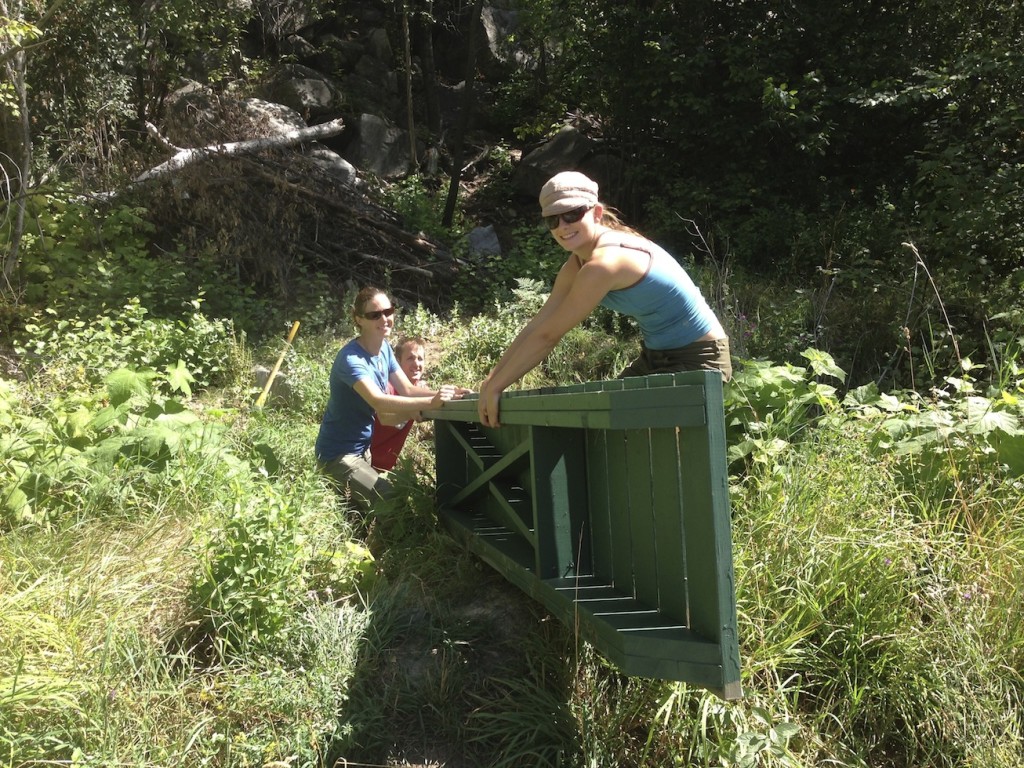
x,y
184,157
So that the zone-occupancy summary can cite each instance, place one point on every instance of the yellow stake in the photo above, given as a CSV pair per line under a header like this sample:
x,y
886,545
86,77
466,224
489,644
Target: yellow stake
x,y
277,366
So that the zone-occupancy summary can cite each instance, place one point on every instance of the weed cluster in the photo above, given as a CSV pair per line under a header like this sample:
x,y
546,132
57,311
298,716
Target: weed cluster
x,y
178,585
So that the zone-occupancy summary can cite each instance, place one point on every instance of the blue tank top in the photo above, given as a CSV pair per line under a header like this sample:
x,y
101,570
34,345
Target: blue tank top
x,y
665,302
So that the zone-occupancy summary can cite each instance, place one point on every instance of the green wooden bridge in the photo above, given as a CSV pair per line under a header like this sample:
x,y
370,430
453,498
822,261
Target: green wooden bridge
x,y
608,503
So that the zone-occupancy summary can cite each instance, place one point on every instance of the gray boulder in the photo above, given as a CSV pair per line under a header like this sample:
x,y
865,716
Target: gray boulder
x,y
379,147
308,92
483,241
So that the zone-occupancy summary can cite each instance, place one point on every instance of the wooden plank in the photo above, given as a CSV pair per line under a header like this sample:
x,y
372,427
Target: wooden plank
x,y
608,408
558,471
668,523
475,446
496,469
599,518
613,477
600,533
499,547
646,652
656,597
511,509
450,453
640,514
708,541
640,510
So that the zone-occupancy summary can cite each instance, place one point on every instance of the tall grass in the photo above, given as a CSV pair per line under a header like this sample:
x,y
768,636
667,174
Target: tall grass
x,y
221,605
874,613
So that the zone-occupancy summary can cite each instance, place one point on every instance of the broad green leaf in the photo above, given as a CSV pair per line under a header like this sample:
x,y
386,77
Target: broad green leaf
x,y
180,379
822,364
17,503
106,452
79,421
8,395
124,383
982,418
176,419
786,731
157,440
15,446
861,396
109,416
1010,451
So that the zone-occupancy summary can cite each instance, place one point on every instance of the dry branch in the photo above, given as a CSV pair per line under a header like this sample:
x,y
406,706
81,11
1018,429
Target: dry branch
x,y
186,157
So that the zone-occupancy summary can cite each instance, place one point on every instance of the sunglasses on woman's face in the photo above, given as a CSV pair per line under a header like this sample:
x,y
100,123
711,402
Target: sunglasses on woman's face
x,y
569,217
377,314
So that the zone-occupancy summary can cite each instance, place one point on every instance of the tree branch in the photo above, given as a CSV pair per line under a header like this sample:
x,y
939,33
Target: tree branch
x,y
186,157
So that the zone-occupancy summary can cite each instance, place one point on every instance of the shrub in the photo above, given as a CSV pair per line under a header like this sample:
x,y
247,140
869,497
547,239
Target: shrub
x,y
88,350
58,453
252,569
492,278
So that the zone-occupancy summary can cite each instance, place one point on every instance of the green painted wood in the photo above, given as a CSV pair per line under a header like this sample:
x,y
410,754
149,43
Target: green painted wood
x,y
617,487
512,509
452,458
607,409
482,481
501,466
666,487
640,515
599,520
641,465
482,472
706,519
669,654
560,500
608,503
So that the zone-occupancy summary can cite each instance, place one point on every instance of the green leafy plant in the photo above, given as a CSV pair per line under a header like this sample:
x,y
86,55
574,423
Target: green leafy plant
x,y
421,202
48,458
768,406
252,569
88,350
533,256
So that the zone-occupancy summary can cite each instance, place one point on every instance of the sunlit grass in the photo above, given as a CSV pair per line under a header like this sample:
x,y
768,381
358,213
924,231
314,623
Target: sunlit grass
x,y
879,611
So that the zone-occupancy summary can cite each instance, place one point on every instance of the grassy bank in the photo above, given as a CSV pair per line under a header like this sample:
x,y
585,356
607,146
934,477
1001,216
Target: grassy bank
x,y
178,586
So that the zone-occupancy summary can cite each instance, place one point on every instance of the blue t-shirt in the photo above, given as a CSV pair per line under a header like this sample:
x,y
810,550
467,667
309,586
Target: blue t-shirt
x,y
665,302
347,425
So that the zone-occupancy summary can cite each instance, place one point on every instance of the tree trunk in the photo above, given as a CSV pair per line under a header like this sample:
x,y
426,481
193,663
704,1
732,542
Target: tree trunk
x,y
184,157
426,48
407,45
18,187
15,65
468,102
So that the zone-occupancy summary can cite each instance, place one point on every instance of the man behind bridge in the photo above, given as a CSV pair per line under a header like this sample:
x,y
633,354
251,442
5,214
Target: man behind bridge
x,y
390,431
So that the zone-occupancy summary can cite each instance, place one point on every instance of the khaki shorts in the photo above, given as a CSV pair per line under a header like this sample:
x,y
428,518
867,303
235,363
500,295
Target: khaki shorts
x,y
700,356
354,474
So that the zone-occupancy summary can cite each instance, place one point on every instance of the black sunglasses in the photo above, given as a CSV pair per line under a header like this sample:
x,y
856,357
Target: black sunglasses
x,y
569,217
377,314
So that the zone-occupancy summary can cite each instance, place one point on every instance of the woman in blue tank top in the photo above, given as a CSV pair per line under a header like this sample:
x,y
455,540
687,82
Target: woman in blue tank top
x,y
614,266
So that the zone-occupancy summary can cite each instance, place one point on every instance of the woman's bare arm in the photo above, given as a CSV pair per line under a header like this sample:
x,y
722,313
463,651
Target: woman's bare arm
x,y
577,291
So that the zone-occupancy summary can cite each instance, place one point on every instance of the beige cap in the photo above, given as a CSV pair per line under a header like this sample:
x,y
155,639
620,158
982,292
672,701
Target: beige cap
x,y
566,191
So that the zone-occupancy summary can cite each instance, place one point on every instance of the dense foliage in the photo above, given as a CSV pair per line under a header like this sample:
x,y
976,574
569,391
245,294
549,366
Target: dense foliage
x,y
178,586
807,133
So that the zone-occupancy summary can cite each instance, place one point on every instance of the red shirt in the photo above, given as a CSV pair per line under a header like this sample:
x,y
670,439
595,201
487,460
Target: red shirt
x,y
387,441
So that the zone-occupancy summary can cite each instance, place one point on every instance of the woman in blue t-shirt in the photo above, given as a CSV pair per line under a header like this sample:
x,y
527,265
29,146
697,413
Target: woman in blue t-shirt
x,y
612,265
359,382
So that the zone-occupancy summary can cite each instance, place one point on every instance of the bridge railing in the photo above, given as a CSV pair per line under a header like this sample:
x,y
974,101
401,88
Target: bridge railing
x,y
608,503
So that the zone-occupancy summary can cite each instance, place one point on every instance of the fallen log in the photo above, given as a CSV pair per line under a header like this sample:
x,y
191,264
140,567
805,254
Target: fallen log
x,y
184,156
